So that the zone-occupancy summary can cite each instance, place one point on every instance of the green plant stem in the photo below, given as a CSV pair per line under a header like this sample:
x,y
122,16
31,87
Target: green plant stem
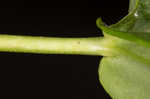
x,y
53,45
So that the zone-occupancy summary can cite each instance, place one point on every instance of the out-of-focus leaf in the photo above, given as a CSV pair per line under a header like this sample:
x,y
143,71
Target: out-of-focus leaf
x,y
125,75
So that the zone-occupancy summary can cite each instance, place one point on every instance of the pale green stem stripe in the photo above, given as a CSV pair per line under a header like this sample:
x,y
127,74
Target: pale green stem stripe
x,y
53,45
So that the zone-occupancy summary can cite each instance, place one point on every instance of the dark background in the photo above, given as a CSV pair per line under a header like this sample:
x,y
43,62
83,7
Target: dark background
x,y
72,76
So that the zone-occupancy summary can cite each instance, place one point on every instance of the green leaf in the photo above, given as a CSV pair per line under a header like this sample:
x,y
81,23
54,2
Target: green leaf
x,y
135,26
125,75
